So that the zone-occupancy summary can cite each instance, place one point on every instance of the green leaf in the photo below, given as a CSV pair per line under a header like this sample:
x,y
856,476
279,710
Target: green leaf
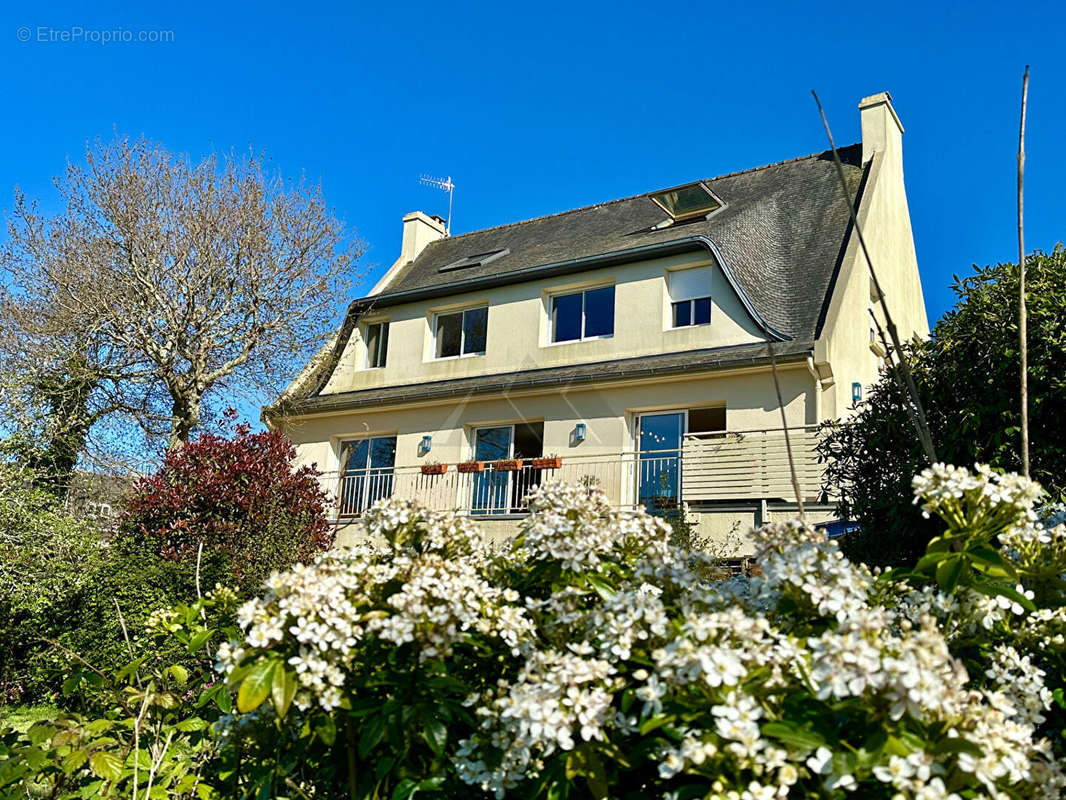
x,y
931,560
326,730
192,724
435,733
255,688
988,560
948,573
199,639
181,675
74,761
595,774
994,589
106,765
404,789
603,589
789,734
282,690
958,745
373,729
652,723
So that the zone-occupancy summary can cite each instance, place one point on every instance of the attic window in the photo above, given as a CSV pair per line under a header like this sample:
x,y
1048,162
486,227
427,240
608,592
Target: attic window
x,y
474,261
687,202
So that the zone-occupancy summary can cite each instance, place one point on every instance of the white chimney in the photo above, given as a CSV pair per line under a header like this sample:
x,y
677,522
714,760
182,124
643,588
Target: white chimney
x,y
419,230
882,132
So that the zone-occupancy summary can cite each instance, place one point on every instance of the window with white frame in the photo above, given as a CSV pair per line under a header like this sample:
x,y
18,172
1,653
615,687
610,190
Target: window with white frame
x,y
690,296
461,333
376,336
588,314
366,474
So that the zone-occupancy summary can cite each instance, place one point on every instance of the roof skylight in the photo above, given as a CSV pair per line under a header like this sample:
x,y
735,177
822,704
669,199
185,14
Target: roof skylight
x,y
687,202
474,261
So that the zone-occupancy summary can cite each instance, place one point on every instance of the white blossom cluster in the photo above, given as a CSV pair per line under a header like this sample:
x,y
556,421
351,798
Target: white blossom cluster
x,y
633,630
426,587
731,651
558,699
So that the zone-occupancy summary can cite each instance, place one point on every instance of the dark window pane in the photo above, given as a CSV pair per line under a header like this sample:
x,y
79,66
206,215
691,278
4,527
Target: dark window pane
x,y
449,334
703,420
475,329
357,454
566,318
383,452
528,439
682,314
599,311
492,444
702,313
377,342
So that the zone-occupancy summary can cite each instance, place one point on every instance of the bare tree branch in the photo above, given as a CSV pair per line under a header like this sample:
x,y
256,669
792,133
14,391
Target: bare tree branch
x,y
172,280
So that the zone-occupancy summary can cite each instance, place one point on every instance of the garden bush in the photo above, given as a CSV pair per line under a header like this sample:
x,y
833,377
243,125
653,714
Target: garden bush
x,y
591,659
967,376
239,497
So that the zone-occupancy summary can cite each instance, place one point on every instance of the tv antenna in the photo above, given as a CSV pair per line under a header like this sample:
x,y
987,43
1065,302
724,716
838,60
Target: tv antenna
x,y
445,185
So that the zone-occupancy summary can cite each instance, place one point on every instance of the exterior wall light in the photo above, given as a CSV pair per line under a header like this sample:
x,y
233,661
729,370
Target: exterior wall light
x,y
856,392
426,445
579,432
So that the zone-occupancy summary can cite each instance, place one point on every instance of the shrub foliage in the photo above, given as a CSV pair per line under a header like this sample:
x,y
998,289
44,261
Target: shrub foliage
x,y
592,657
239,496
967,375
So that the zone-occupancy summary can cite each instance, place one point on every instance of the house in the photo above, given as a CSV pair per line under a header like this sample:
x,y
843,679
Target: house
x,y
626,344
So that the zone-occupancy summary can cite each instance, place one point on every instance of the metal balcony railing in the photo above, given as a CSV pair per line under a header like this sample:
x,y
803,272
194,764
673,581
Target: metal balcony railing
x,y
708,468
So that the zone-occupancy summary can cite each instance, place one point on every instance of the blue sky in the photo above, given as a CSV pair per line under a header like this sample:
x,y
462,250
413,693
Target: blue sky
x,y
535,109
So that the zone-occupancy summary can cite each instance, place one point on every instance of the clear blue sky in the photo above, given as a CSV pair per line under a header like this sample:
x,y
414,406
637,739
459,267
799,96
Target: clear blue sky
x,y
539,108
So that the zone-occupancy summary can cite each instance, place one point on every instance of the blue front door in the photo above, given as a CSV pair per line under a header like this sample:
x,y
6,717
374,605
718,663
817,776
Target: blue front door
x,y
659,440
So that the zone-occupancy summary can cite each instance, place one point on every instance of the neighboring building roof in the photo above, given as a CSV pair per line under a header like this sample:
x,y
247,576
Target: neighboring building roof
x,y
562,377
780,235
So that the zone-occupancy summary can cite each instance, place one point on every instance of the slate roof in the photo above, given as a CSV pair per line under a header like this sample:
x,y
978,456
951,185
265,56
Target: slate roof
x,y
781,236
563,377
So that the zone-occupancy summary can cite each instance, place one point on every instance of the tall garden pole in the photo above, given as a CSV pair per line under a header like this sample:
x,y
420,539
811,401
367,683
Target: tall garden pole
x,y
1023,345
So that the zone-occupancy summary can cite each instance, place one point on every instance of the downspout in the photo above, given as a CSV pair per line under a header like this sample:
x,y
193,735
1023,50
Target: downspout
x,y
817,390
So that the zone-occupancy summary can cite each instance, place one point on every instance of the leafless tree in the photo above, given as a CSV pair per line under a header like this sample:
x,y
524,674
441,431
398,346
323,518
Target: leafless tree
x,y
163,280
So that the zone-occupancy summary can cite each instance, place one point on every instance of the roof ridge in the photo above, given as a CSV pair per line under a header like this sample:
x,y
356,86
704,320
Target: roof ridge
x,y
640,194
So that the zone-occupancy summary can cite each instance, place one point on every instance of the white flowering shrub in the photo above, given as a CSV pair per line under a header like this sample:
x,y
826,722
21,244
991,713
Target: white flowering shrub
x,y
590,657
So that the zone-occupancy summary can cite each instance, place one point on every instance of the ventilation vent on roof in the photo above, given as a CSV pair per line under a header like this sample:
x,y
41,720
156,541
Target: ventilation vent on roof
x,y
474,261
688,202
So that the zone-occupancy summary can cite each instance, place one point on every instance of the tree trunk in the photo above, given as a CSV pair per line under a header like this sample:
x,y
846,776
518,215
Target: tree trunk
x,y
185,416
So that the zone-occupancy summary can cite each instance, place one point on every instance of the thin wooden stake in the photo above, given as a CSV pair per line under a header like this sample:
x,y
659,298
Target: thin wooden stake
x,y
1023,344
922,424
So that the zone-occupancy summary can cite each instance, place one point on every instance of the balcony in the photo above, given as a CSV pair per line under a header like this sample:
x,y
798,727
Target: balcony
x,y
710,469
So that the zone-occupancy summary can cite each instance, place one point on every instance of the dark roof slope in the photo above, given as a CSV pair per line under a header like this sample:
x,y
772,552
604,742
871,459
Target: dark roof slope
x,y
692,362
781,235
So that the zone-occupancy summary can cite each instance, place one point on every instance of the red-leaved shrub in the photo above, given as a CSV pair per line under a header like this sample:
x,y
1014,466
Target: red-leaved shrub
x,y
240,496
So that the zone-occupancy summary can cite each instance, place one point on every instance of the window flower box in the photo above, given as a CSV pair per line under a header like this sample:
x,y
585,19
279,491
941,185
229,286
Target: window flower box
x,y
434,469
507,465
470,466
551,462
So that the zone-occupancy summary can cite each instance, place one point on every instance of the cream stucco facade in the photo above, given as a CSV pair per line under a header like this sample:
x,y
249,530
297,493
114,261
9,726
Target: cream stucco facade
x,y
591,416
